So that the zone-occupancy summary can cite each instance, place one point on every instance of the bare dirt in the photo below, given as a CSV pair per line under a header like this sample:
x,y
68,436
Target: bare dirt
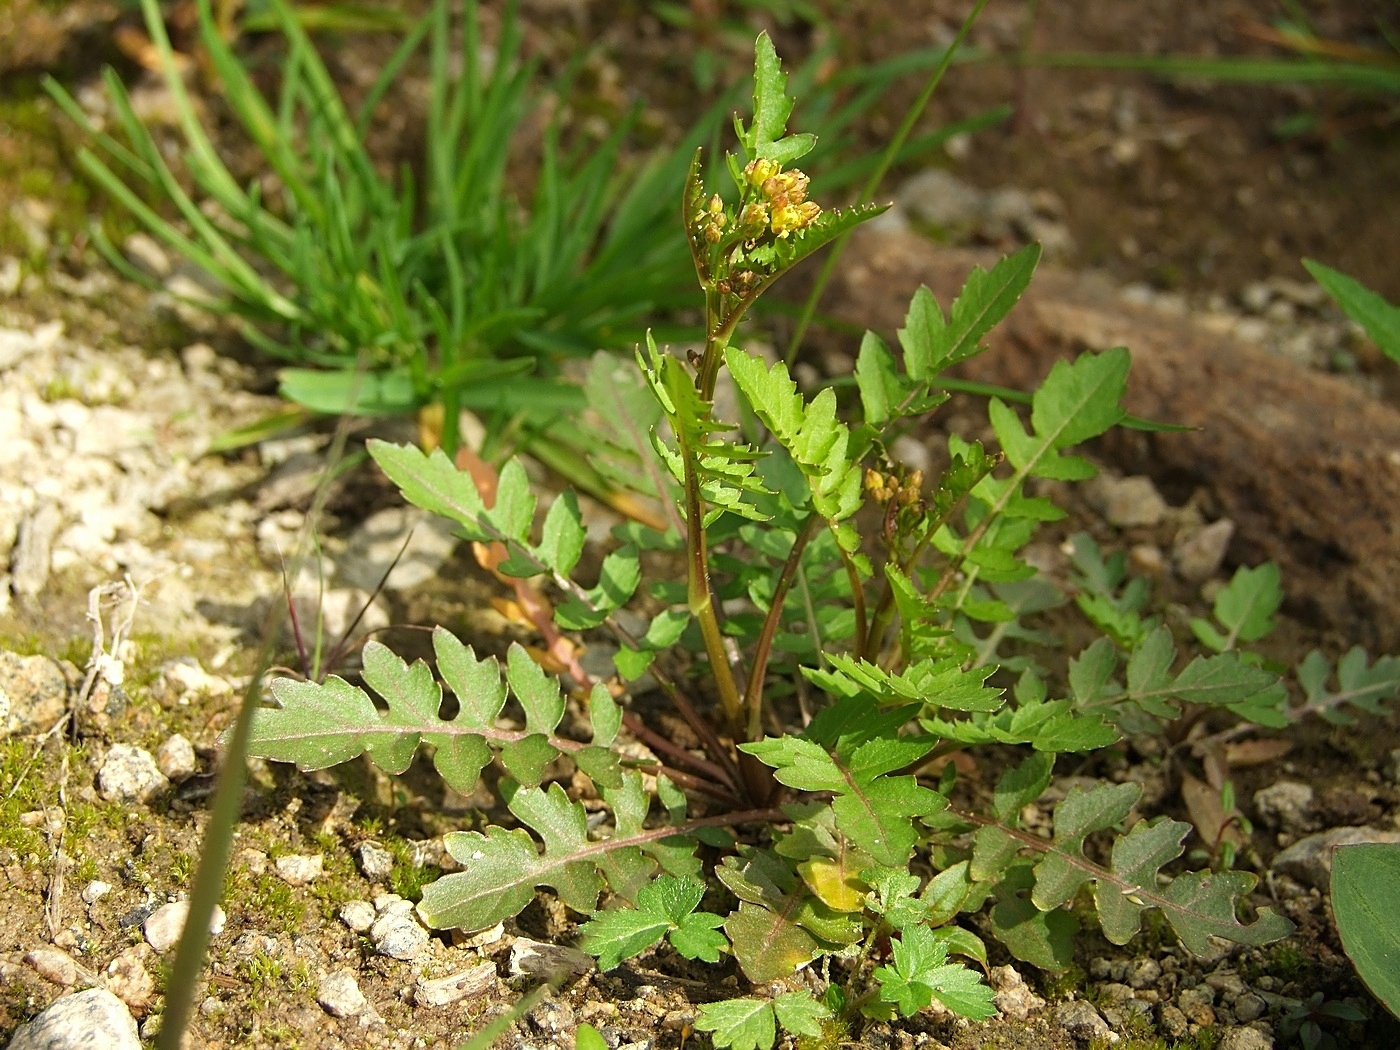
x,y
1202,190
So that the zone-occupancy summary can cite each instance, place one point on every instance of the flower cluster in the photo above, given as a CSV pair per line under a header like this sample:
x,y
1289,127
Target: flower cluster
x,y
784,206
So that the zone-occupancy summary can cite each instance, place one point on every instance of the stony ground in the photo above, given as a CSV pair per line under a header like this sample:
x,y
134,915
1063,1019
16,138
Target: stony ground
x,y
141,572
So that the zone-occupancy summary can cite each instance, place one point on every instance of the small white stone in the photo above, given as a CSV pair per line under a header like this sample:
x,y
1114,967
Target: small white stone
x,y
163,926
376,862
176,758
398,934
450,989
299,869
53,966
340,995
95,890
95,1017
130,774
358,915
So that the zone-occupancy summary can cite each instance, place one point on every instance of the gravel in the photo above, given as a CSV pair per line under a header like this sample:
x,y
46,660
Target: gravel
x,y
91,1019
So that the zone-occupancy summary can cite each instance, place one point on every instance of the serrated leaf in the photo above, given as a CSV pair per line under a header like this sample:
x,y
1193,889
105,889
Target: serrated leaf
x,y
1359,683
744,1024
1081,812
433,482
932,343
872,809
939,683
1245,606
538,693
563,535
1041,938
877,379
800,1014
1021,785
664,906
811,433
769,945
920,974
1076,402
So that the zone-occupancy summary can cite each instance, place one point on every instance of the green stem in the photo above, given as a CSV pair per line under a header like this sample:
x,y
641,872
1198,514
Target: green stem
x,y
701,598
877,176
753,696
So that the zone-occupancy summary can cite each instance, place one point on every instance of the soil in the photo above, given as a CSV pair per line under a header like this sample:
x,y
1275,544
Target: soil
x,y
1192,193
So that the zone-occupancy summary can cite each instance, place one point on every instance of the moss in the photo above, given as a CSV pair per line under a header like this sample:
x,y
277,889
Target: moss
x,y
274,902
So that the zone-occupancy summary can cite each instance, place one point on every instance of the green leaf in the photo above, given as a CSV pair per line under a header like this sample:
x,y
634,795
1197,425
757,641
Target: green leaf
x,y
1076,402
562,540
817,441
1380,319
501,869
664,906
881,389
921,974
771,109
589,1038
1041,938
538,693
932,343
872,809
1364,877
744,1024
1244,607
800,1014
1359,683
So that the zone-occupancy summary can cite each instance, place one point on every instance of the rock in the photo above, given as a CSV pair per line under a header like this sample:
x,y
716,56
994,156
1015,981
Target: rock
x,y
130,774
357,915
33,693
95,890
129,980
1286,805
550,961
339,994
1126,502
94,1018
1080,1020
53,965
1013,997
1197,1004
376,862
1143,973
1199,555
31,559
297,869
145,253
475,981
190,680
1243,1038
163,926
552,1017
397,932
940,199
175,758
1249,1007
1309,860
1173,1021
373,546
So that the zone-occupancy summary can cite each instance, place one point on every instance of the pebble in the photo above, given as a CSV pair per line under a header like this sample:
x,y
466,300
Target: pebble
x,y
1126,502
550,961
1309,860
176,758
442,991
129,980
1173,1021
374,545
357,915
1197,1004
1013,998
376,862
339,994
163,926
1286,805
397,932
33,693
1199,555
130,774
1249,1007
298,869
1245,1039
1143,973
93,1018
553,1017
95,890
53,965
1082,1021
